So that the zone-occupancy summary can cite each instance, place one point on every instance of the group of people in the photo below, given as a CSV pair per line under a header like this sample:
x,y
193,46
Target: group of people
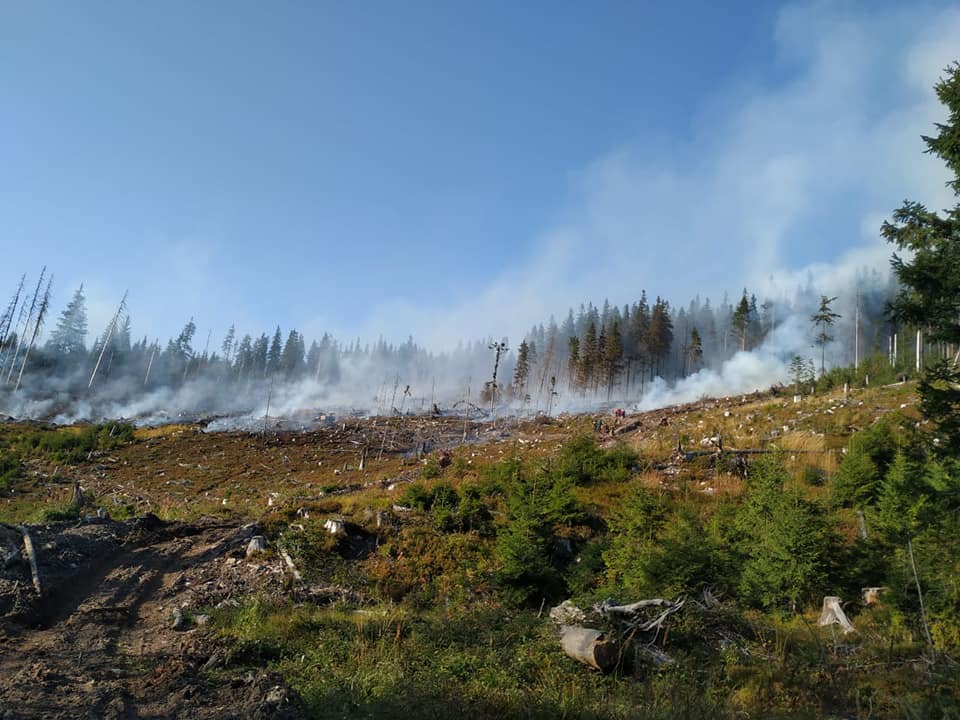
x,y
605,429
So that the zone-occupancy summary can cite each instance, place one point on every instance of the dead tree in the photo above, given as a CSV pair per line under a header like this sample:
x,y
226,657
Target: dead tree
x,y
26,323
41,314
6,320
498,348
108,336
153,354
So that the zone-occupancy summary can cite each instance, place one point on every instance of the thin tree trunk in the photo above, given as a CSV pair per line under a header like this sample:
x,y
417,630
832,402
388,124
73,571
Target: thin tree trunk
x,y
923,612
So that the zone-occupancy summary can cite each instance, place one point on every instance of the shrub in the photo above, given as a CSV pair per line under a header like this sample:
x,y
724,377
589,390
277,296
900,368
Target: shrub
x,y
431,469
535,505
10,470
786,541
657,550
584,462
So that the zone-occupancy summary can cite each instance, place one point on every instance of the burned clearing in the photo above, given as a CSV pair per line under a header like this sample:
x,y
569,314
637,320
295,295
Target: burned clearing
x,y
182,572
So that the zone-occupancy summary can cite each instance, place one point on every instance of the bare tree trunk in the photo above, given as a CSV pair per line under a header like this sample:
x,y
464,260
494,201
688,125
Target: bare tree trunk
x,y
32,557
36,331
923,612
111,328
150,364
26,324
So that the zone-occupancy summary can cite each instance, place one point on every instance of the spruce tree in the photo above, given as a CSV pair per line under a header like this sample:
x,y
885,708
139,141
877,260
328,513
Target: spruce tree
x,y
612,356
929,297
695,349
740,321
573,362
521,370
70,334
589,354
275,353
823,320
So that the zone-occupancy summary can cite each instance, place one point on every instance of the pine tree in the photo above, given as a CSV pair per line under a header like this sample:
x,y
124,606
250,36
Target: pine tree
x,y
229,342
182,346
659,335
786,540
798,372
275,353
244,357
929,297
612,357
740,321
521,370
589,355
291,357
261,349
69,336
823,319
573,362
695,349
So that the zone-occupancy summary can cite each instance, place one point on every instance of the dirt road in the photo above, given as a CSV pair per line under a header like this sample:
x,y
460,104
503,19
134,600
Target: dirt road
x,y
103,641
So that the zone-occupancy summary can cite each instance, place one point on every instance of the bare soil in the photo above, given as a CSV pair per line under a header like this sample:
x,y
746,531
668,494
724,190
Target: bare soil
x,y
101,640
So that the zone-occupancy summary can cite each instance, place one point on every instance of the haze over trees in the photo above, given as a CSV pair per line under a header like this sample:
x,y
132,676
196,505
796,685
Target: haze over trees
x,y
597,354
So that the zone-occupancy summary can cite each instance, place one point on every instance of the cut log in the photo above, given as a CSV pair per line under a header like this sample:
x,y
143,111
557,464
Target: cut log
x,y
293,568
32,557
257,544
833,613
589,646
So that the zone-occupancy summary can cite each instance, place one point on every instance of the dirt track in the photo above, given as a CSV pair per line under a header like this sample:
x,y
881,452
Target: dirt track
x,y
101,643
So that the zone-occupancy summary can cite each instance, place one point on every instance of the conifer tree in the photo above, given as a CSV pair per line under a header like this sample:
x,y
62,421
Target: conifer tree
x,y
274,353
69,336
798,372
659,335
261,348
573,362
291,357
229,344
929,297
612,357
823,319
695,349
521,370
740,321
588,357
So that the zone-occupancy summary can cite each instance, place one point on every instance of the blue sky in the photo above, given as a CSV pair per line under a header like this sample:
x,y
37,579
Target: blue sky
x,y
451,169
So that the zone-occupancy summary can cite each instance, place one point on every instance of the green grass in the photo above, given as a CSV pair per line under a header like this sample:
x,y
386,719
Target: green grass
x,y
69,445
487,662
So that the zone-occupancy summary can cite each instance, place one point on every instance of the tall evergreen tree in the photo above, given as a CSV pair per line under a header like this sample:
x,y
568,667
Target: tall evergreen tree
x,y
521,370
274,353
740,321
612,357
589,356
659,336
573,362
291,357
70,334
929,297
695,349
823,320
